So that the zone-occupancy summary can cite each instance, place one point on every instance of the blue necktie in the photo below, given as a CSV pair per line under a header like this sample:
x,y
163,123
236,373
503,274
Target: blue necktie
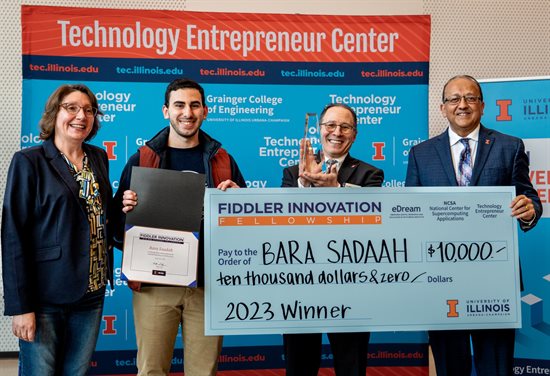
x,y
465,164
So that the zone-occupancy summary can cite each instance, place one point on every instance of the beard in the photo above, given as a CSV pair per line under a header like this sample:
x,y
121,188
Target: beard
x,y
183,132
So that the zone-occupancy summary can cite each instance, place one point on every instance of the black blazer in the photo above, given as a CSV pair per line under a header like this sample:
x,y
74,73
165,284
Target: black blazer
x,y
45,230
352,171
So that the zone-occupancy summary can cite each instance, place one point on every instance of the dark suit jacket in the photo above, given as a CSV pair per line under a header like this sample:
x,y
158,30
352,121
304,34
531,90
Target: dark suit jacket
x,y
500,161
352,171
45,230
302,351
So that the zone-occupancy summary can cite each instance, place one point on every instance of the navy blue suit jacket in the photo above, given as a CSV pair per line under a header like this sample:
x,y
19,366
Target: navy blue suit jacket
x,y
500,161
45,230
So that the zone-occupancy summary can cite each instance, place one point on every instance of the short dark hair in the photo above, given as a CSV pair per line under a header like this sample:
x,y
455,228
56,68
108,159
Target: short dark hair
x,y
330,105
49,116
462,76
182,83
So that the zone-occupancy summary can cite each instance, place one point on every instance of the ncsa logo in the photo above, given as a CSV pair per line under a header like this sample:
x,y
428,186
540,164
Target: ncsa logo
x,y
452,312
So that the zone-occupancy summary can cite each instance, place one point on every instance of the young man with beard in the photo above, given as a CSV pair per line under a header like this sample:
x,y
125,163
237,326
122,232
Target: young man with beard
x,y
159,310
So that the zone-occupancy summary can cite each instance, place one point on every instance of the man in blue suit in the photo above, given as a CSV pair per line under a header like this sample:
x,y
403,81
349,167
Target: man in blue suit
x,y
467,153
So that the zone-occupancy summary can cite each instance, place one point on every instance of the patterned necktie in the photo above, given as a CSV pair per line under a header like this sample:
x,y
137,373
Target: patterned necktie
x,y
465,164
329,163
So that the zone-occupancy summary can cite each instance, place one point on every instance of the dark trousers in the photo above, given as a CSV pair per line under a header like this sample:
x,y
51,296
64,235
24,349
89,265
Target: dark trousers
x,y
303,353
493,352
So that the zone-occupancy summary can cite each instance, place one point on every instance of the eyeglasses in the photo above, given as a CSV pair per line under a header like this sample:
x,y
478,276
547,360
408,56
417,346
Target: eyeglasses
x,y
345,128
470,99
74,109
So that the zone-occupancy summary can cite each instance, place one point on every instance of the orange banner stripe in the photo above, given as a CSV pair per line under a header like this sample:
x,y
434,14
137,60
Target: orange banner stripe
x,y
127,33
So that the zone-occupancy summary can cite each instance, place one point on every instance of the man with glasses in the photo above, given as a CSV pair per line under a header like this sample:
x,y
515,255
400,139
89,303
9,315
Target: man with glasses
x,y
466,154
338,132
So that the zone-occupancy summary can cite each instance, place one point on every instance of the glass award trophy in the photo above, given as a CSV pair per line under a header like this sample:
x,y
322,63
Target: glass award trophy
x,y
311,133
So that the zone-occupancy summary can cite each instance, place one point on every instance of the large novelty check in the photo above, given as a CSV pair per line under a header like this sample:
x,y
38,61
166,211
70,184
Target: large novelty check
x,y
360,259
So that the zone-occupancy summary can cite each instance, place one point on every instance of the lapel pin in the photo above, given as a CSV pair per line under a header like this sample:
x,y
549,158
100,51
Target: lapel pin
x,y
487,142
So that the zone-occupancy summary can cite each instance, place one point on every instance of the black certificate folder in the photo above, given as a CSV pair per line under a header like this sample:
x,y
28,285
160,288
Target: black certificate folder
x,y
167,199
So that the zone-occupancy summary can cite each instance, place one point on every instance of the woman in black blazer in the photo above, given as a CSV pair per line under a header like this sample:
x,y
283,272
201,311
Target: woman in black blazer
x,y
56,254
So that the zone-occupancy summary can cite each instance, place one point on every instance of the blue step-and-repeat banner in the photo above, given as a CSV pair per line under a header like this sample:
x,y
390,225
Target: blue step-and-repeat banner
x,y
262,73
521,107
